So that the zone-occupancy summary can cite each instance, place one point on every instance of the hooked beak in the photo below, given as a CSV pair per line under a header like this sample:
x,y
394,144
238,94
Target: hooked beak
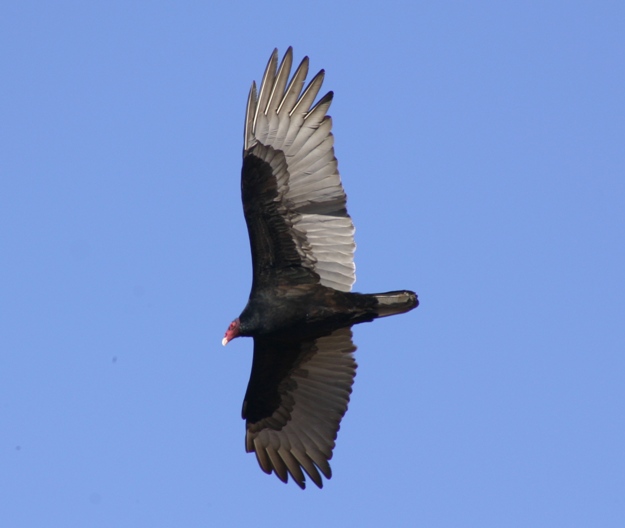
x,y
232,332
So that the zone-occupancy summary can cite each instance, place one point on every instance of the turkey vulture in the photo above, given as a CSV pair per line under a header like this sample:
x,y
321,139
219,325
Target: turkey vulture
x,y
300,310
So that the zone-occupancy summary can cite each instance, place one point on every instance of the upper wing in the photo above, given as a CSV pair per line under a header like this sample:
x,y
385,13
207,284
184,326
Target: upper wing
x,y
297,394
294,203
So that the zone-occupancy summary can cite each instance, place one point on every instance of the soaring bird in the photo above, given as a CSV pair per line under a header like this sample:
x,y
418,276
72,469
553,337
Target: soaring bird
x,y
300,309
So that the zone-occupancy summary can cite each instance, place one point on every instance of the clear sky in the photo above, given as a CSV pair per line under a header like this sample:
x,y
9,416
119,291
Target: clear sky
x,y
482,148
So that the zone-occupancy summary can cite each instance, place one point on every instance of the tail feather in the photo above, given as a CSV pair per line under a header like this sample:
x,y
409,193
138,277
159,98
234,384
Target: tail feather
x,y
396,302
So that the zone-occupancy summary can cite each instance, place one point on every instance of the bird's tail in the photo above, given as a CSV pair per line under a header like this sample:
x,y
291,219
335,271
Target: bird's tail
x,y
396,302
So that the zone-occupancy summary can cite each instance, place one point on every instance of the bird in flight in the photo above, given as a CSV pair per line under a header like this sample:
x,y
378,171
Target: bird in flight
x,y
300,310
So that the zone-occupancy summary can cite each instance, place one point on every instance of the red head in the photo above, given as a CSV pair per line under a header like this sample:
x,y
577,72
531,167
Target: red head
x,y
232,332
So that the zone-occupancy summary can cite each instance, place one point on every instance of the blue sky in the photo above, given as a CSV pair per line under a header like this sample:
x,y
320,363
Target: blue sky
x,y
482,149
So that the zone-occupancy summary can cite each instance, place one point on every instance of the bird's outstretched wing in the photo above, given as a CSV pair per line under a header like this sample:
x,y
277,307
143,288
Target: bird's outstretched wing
x,y
297,395
293,200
